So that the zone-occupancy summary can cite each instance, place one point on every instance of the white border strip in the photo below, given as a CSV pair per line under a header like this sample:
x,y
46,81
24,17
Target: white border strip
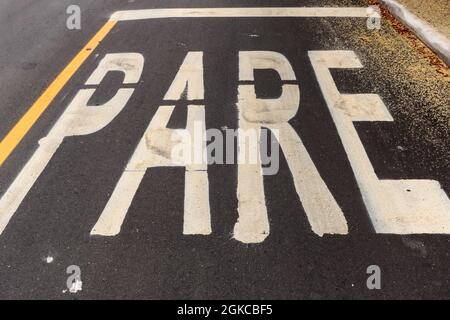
x,y
354,12
435,40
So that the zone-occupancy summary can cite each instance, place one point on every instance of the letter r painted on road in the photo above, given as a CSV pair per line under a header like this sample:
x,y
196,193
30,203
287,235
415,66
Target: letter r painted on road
x,y
324,214
78,119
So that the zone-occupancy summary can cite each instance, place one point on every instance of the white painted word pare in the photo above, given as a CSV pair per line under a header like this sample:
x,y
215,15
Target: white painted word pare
x,y
394,206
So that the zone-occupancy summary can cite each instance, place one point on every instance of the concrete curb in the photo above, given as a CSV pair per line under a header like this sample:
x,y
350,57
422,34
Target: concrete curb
x,y
435,40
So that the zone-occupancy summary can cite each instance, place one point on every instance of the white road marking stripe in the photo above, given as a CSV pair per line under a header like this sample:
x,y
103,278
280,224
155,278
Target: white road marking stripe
x,y
253,222
197,217
130,15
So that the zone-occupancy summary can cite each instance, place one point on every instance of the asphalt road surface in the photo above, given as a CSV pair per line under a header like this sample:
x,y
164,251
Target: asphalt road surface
x,y
361,116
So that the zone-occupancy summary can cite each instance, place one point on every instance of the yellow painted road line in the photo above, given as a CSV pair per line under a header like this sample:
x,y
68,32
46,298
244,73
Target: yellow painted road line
x,y
21,128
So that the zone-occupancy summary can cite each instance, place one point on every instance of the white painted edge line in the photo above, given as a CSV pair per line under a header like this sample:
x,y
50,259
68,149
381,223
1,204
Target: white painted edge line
x,y
435,40
355,12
